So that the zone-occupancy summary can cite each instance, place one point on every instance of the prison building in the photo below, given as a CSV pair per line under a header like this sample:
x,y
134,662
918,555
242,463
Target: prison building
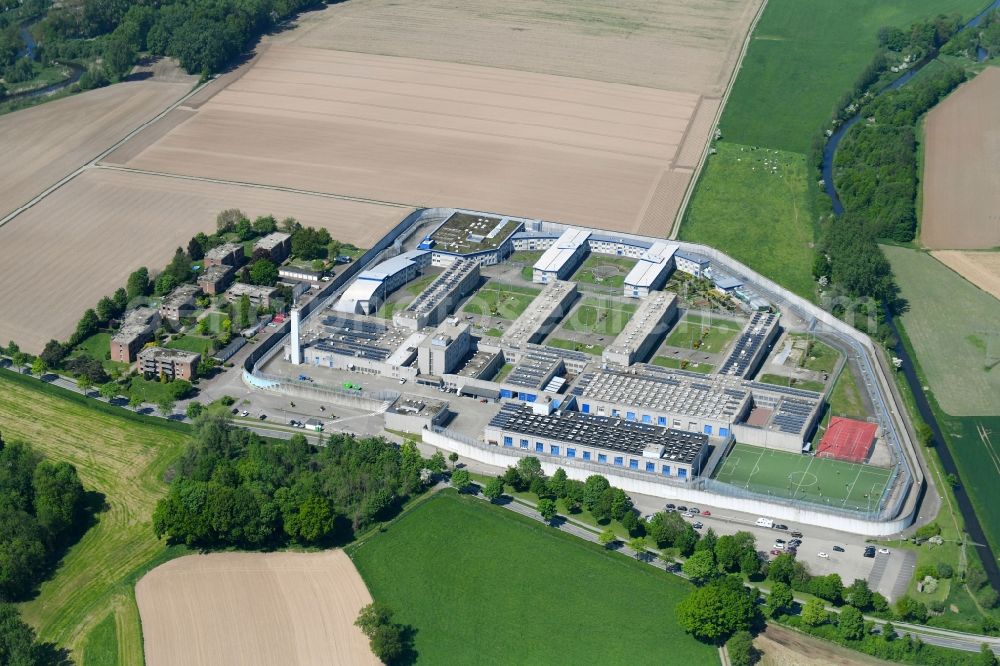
x,y
216,278
559,261
485,239
438,300
299,273
651,271
174,363
781,417
227,254
442,352
572,437
413,413
752,345
533,375
362,346
137,328
643,331
532,241
690,263
619,246
542,315
276,247
369,290
260,296
658,396
179,302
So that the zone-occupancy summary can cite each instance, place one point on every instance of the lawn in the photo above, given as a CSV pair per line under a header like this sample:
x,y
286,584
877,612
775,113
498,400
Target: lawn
x,y
821,358
98,347
805,384
151,391
803,56
123,456
604,270
680,364
416,287
703,334
503,301
803,477
503,372
480,584
588,348
600,317
754,205
845,398
192,343
527,261
954,328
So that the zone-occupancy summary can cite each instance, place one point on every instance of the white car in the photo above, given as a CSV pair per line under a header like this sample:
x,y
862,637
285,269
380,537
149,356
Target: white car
x,y
688,514
822,554
884,551
245,413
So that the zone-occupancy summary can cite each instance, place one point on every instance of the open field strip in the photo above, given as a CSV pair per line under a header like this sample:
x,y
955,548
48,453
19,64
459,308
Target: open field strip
x,y
961,178
254,609
123,457
533,581
980,268
82,241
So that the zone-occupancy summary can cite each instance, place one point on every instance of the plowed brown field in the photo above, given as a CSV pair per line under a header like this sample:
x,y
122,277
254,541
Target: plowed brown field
x,y
961,205
82,241
980,268
254,609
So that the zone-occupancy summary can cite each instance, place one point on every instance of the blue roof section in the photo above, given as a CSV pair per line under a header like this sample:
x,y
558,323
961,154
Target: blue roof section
x,y
390,267
635,242
697,258
726,282
535,234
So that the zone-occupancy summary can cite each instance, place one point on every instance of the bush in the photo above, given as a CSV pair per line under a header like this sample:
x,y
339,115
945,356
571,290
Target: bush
x,y
741,649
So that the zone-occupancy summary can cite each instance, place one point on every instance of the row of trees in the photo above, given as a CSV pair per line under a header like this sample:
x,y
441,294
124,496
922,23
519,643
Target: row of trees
x,y
231,488
41,510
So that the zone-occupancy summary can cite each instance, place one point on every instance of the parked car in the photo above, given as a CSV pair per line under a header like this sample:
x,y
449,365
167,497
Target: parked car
x,y
262,417
694,509
822,554
795,543
839,549
697,525
235,411
884,551
775,551
671,507
688,514
780,527
245,413
779,546
870,551
792,550
797,535
681,508
706,513
781,541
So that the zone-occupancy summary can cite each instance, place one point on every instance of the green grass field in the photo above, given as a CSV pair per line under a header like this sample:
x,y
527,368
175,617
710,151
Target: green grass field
x,y
802,477
98,347
604,270
804,55
822,357
805,384
599,317
122,456
954,328
503,301
759,216
667,362
510,590
192,343
586,347
708,335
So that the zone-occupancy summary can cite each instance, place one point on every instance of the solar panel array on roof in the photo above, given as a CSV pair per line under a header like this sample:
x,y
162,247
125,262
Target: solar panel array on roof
x,y
750,344
666,393
443,286
600,432
792,415
353,337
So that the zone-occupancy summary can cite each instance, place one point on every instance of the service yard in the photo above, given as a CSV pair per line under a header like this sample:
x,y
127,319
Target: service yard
x,y
961,183
81,242
254,608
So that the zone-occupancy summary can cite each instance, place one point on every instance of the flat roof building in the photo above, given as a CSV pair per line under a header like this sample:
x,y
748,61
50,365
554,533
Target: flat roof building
x,y
561,259
179,303
575,437
413,413
484,238
227,254
371,287
752,345
137,328
651,271
277,245
174,363
441,352
259,295
692,264
298,273
214,279
439,299
641,333
542,314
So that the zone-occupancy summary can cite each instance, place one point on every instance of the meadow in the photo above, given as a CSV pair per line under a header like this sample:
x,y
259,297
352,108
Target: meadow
x,y
604,270
600,317
480,584
503,301
123,456
712,334
753,205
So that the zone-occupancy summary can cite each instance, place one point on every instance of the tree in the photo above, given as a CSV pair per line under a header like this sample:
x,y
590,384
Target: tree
x,y
493,489
925,434
741,650
138,283
529,469
638,546
621,503
593,488
827,587
858,594
194,410
243,312
888,632
166,406
120,299
264,272
58,496
707,542
717,610
119,56
53,354
635,527
780,601
782,568
106,309
38,367
17,639
436,463
546,509
986,656
315,520
461,480
228,219
244,230
814,612
108,391
134,401
557,483
851,623
384,636
453,458
84,383
700,567
607,537
265,224
912,610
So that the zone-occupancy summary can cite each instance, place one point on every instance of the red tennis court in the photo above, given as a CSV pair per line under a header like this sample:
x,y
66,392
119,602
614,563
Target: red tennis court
x,y
847,439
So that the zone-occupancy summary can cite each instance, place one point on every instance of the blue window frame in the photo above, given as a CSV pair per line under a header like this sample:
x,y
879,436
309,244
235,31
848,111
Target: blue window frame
x,y
586,455
650,466
682,473
524,443
619,461
539,447
553,449
506,393
630,416
508,441
723,432
666,470
615,413
661,420
633,463
585,408
570,453
646,418
708,430
601,458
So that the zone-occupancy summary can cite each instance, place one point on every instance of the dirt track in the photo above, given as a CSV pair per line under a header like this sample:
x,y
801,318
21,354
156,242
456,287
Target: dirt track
x,y
980,268
250,609
81,242
785,647
431,133
961,185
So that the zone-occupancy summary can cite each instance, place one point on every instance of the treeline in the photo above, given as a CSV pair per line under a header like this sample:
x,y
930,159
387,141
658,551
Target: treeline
x,y
19,645
42,508
233,488
985,36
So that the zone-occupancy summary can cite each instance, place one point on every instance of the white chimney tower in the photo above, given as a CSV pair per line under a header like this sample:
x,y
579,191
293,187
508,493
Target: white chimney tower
x,y
296,351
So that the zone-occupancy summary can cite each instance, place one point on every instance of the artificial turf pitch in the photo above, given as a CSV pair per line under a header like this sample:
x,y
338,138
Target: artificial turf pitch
x,y
804,477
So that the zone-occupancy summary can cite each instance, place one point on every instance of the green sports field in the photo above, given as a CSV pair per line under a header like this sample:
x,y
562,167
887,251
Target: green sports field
x,y
803,477
483,585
